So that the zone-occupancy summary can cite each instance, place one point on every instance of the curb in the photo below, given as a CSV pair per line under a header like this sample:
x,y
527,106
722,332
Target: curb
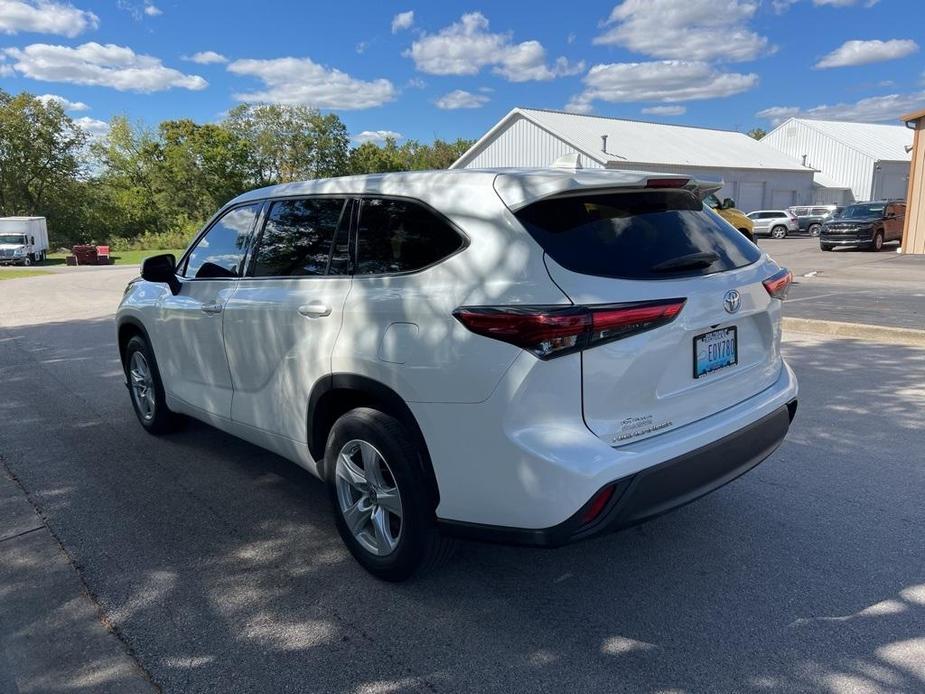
x,y
862,331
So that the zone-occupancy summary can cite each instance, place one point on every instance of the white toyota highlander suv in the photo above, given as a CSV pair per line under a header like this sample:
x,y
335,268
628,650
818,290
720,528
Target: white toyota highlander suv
x,y
523,356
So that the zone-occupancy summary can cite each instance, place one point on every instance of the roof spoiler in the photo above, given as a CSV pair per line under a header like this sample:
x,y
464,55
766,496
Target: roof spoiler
x,y
519,188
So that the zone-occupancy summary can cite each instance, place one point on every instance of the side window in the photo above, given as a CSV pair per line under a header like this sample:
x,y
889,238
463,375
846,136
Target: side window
x,y
401,236
820,212
219,252
297,237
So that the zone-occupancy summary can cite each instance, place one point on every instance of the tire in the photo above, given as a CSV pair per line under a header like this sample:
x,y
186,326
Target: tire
x,y
826,247
814,229
146,389
779,232
371,450
27,261
877,244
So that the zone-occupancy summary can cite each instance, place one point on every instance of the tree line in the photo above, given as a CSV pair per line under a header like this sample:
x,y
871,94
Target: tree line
x,y
147,187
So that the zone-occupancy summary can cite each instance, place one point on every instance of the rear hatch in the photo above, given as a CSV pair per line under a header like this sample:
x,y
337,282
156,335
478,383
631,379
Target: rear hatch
x,y
641,245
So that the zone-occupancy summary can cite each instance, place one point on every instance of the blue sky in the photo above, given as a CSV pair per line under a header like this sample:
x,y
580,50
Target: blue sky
x,y
452,69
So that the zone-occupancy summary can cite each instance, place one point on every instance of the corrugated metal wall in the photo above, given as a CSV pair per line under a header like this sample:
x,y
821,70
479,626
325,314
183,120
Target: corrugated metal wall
x,y
752,189
891,180
523,144
844,164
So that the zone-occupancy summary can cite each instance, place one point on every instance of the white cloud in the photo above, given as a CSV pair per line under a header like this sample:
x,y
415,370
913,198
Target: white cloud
x,y
781,6
95,64
153,10
377,136
459,98
206,58
95,128
44,17
416,83
874,109
663,80
665,110
864,52
403,20
300,81
465,47
66,104
693,30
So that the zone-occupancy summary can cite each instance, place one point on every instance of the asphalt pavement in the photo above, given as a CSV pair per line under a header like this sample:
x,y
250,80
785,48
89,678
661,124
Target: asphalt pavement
x,y
213,565
852,286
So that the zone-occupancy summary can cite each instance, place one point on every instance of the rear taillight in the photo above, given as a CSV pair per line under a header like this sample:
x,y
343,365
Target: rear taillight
x,y
551,331
779,283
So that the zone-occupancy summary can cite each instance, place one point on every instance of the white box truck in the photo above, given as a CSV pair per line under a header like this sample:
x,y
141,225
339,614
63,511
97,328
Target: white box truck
x,y
23,240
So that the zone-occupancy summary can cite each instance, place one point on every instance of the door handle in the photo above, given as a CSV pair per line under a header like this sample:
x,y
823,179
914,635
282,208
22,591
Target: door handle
x,y
315,309
211,309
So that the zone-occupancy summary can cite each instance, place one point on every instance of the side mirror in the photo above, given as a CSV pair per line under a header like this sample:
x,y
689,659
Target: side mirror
x,y
31,240
161,269
728,203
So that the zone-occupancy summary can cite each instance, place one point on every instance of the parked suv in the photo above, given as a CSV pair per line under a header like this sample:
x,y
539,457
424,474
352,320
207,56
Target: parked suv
x,y
810,219
529,357
774,223
864,225
728,211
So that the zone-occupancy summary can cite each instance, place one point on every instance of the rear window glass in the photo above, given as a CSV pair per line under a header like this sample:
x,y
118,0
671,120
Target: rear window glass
x,y
637,235
395,236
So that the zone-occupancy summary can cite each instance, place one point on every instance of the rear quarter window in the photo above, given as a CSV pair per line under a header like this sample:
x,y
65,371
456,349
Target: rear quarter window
x,y
636,235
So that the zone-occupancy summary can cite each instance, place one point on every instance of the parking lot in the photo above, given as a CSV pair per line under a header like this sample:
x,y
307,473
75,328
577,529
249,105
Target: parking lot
x,y
197,562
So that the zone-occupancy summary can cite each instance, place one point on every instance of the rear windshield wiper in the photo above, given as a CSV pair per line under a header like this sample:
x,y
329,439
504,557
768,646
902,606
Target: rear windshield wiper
x,y
687,262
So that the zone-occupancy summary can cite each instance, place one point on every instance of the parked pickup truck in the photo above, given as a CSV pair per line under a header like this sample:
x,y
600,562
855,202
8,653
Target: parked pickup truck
x,y
23,240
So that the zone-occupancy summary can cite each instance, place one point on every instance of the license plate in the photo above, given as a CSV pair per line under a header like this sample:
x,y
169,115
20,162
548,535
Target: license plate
x,y
717,349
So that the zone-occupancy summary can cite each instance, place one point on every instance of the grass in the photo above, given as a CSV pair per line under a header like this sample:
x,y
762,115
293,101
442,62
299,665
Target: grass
x,y
118,257
15,273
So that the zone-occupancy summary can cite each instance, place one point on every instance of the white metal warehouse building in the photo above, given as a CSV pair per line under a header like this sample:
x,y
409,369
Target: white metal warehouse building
x,y
869,160
756,176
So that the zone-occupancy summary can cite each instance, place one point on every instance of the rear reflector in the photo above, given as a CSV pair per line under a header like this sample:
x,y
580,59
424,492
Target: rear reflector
x,y
597,504
779,283
667,182
551,331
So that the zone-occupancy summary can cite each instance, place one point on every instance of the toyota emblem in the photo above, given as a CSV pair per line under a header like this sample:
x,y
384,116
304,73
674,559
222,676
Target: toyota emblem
x,y
731,301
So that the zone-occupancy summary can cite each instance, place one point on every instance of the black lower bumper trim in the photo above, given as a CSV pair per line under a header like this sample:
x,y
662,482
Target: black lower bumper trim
x,y
655,490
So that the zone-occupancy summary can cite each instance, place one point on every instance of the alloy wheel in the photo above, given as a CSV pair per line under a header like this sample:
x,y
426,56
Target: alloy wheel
x,y
141,382
367,494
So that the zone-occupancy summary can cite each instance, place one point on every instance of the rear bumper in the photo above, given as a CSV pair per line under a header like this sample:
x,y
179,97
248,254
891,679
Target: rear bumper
x,y
654,490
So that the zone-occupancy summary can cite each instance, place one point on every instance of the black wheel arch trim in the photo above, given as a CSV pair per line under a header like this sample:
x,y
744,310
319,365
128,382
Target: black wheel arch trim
x,y
371,393
130,321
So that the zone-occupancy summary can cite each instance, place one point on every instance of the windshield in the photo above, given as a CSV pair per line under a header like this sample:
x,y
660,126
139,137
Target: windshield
x,y
17,239
860,211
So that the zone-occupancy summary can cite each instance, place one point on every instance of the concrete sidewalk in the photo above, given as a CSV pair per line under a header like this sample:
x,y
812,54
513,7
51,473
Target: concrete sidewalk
x,y
51,635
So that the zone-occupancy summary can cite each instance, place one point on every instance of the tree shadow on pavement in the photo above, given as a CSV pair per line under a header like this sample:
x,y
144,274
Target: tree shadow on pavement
x,y
219,565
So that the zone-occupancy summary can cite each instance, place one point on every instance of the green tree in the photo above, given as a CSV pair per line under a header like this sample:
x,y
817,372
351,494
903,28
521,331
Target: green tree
x,y
42,154
757,133
290,143
411,156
